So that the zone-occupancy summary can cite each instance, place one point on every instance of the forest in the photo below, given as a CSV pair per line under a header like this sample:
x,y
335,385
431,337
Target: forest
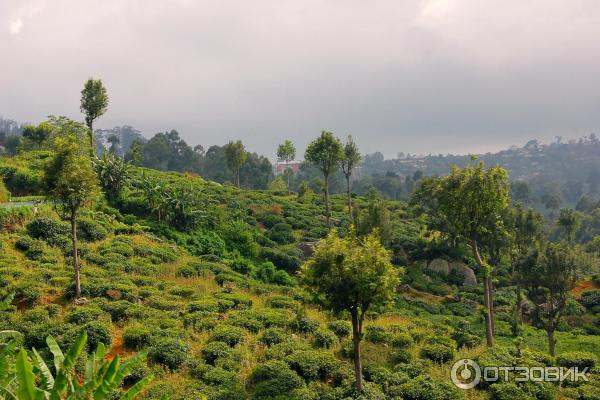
x,y
150,269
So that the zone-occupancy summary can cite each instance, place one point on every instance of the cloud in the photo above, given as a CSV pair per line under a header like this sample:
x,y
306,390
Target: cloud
x,y
25,10
412,76
15,26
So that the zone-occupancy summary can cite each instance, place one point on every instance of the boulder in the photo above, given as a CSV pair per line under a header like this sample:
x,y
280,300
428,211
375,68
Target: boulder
x,y
439,265
470,278
307,248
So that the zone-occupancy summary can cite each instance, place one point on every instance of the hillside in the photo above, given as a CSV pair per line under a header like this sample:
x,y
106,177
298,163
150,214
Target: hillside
x,y
205,281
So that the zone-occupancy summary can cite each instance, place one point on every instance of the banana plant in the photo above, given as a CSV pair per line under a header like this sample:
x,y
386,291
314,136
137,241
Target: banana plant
x,y
32,378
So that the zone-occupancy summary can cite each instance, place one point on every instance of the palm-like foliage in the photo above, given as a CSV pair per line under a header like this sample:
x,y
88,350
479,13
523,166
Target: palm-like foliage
x,y
182,205
26,376
112,172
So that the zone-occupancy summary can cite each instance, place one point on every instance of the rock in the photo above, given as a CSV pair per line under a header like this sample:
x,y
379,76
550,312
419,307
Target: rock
x,y
307,248
464,270
80,301
439,265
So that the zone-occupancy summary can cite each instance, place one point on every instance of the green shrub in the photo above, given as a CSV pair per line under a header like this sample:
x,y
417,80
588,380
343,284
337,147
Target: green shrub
x,y
325,339
282,302
82,315
376,334
215,350
220,377
120,310
206,242
281,233
241,265
340,328
304,324
239,301
577,359
591,298
90,230
137,337
287,260
273,336
424,388
508,391
274,379
588,392
171,353
401,340
312,365
231,335
47,229
437,352
246,320
207,305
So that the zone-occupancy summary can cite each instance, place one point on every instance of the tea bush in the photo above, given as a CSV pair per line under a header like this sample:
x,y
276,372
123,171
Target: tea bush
x,y
577,359
171,353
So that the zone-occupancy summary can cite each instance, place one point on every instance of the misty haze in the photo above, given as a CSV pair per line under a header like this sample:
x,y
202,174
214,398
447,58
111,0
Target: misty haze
x,y
300,200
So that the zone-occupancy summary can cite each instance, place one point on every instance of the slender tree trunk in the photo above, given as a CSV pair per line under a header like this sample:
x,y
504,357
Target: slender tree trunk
x,y
356,338
349,195
287,170
519,304
238,177
492,314
91,134
75,256
327,206
551,341
489,329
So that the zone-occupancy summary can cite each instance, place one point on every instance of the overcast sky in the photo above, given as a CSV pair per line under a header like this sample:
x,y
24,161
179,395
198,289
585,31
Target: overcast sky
x,y
418,76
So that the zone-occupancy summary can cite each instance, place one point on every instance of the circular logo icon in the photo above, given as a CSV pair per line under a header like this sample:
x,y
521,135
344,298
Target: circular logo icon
x,y
465,374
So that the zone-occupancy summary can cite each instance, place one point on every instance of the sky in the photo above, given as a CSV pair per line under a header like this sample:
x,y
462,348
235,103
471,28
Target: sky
x,y
412,76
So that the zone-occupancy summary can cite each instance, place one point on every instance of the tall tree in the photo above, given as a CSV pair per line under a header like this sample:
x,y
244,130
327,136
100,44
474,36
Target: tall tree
x,y
349,161
325,153
354,275
526,232
94,103
115,144
550,273
37,134
71,179
236,155
471,202
569,220
286,152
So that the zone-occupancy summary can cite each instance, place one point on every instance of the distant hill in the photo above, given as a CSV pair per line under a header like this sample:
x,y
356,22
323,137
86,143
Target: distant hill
x,y
564,170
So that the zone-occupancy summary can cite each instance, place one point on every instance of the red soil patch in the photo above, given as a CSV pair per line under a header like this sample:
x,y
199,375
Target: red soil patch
x,y
117,348
583,286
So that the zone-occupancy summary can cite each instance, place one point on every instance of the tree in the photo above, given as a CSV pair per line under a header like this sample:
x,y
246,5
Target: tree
x,y
354,275
13,144
325,153
37,134
569,220
349,161
134,155
470,202
286,152
235,155
94,103
526,232
549,273
71,180
113,174
115,143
